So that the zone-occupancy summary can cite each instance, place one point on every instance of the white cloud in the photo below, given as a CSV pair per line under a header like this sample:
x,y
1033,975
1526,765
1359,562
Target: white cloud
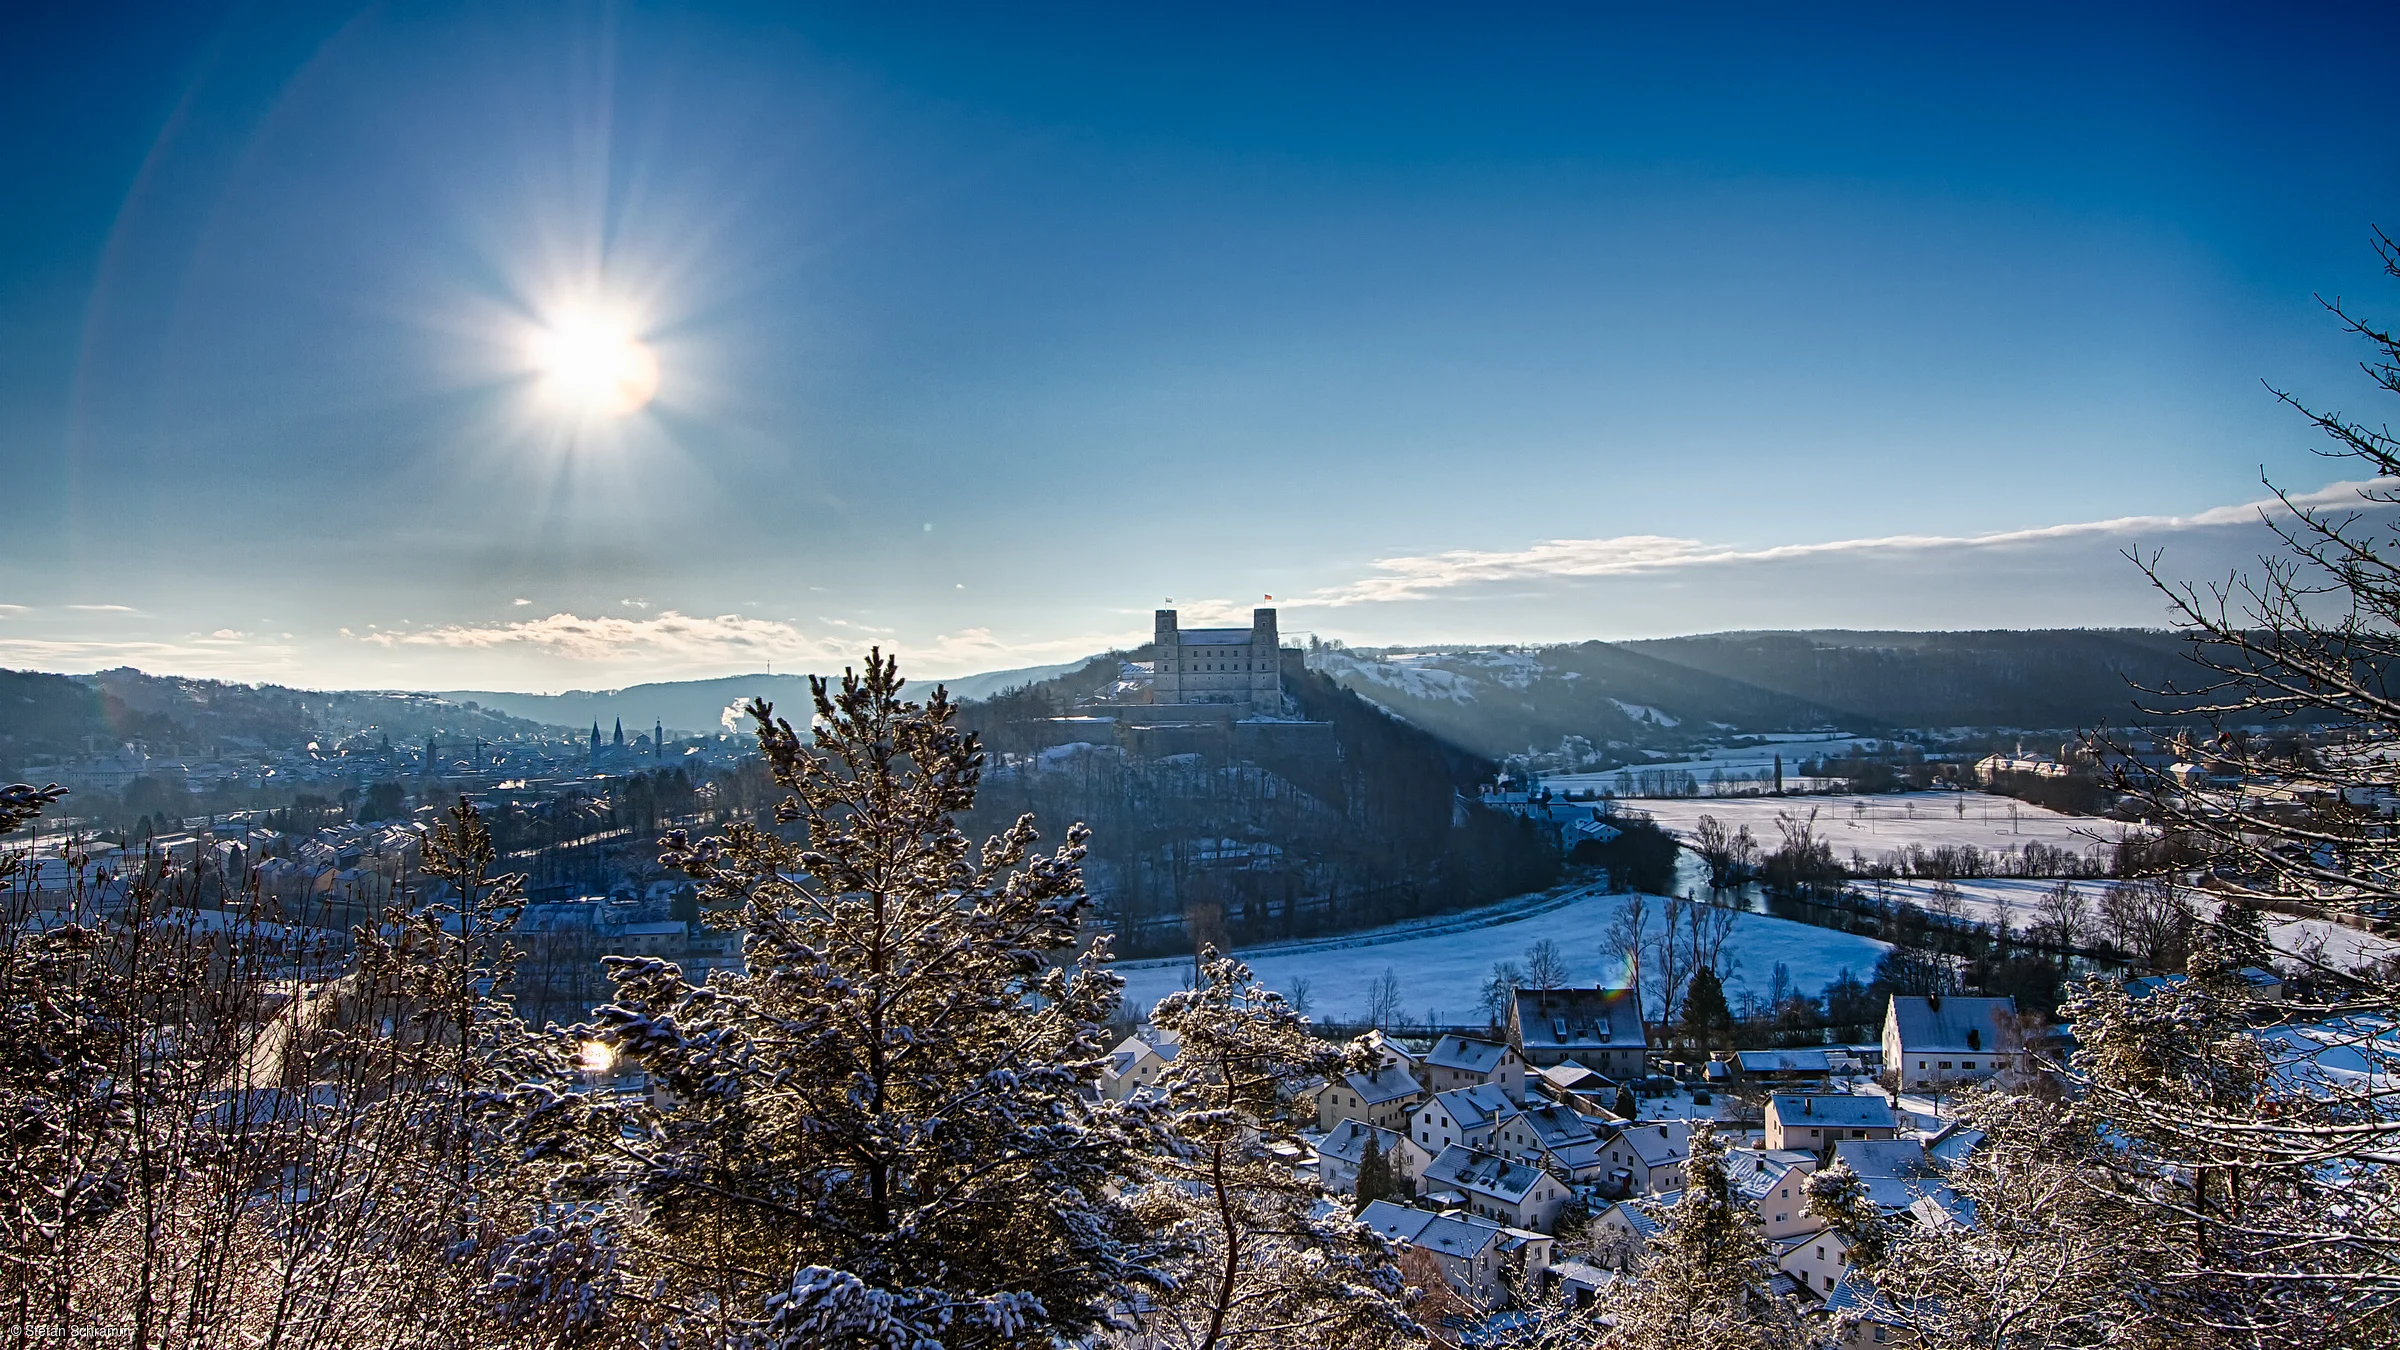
x,y
103,609
670,635
1415,577
520,600
201,656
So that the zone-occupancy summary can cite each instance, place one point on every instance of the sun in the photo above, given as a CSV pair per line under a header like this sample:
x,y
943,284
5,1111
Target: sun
x,y
594,364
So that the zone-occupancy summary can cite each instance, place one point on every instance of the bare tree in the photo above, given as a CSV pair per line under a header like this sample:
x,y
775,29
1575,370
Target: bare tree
x,y
1384,1001
2062,917
1303,990
1546,965
1500,991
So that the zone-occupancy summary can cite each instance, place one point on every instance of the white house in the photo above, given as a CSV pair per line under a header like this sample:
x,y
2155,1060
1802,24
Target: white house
x,y
1774,1183
1459,1061
1814,1120
1647,1158
1461,1116
1624,1229
1477,1257
1555,1136
1135,1064
1383,1098
1815,1261
1942,1040
1507,1191
1339,1155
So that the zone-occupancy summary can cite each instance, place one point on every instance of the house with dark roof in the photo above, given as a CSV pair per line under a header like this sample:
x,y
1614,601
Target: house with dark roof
x,y
1600,1029
1462,1061
1383,1099
1646,1158
1477,1257
1554,1136
1803,1065
1810,1120
1461,1116
1942,1040
1341,1152
1508,1191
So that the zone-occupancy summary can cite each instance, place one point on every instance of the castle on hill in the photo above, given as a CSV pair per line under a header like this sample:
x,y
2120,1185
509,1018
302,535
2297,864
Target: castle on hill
x,y
1236,666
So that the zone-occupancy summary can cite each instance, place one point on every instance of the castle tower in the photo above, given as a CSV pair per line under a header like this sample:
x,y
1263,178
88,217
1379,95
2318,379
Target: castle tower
x,y
1167,683
1266,665
658,739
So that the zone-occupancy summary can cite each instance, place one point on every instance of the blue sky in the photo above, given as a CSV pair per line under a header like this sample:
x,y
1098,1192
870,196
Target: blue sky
x,y
980,331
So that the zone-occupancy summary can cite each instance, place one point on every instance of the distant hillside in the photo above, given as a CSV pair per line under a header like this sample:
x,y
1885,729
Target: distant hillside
x,y
2049,678
1667,694
698,707
44,714
1225,842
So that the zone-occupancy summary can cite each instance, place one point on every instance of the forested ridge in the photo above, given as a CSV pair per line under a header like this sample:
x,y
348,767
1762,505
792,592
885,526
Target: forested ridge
x,y
1381,824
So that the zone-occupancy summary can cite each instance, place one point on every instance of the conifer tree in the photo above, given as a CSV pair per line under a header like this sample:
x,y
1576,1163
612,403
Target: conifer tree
x,y
1706,1280
1707,1017
883,1133
1263,1261
1374,1175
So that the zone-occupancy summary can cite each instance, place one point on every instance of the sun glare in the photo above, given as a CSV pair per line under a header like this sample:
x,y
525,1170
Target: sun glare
x,y
594,364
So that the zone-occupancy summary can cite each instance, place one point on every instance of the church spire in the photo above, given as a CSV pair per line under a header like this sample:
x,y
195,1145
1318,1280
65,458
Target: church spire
x,y
620,741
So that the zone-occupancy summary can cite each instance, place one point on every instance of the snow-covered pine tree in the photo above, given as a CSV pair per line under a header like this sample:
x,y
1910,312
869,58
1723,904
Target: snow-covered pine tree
x,y
882,1134
1266,1259
1705,1280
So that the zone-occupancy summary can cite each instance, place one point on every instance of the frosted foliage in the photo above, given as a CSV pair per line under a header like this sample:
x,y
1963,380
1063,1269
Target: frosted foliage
x,y
880,1134
1262,1259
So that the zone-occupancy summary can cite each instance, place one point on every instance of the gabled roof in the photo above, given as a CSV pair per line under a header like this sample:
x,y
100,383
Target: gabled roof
x,y
1952,1144
1557,1127
1658,1143
1451,1234
1475,1107
1752,1172
1348,1141
1644,1214
1569,1076
1480,1173
1883,1157
1856,1296
1943,1025
1388,1084
1465,1055
1783,1061
1843,1110
1898,1176
1578,1019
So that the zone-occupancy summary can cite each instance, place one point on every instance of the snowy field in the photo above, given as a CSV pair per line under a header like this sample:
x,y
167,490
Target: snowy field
x,y
1988,899
1442,972
1881,823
